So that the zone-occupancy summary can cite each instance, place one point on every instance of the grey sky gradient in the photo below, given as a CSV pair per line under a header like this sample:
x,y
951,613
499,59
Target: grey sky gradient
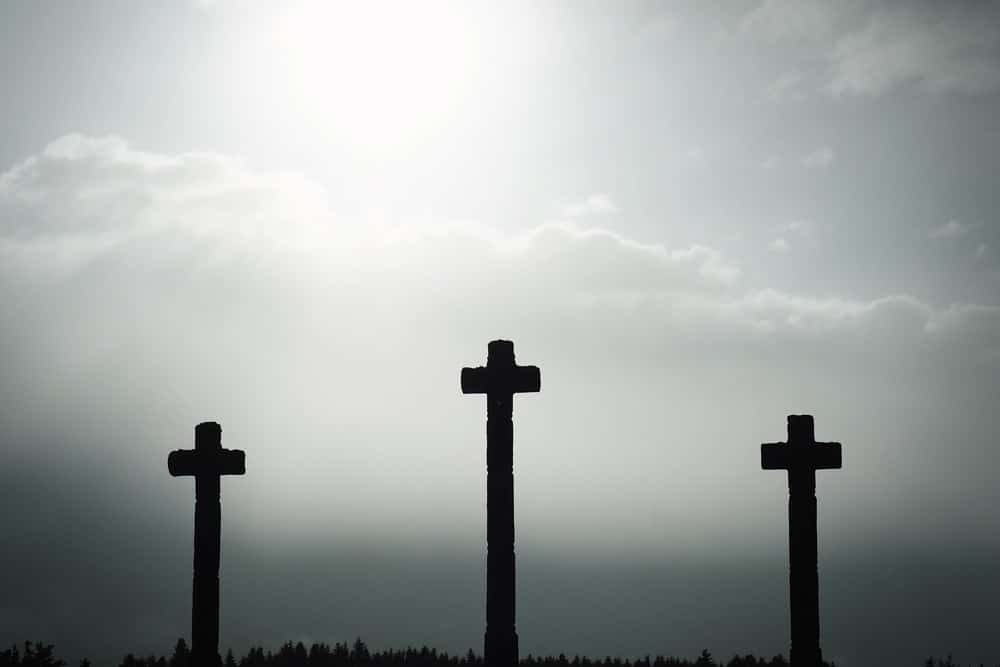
x,y
695,220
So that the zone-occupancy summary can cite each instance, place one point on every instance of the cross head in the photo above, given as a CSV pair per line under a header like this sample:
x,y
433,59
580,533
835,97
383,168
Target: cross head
x,y
501,376
801,456
208,458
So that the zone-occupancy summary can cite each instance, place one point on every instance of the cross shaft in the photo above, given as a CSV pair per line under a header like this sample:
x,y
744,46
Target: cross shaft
x,y
500,379
802,456
206,463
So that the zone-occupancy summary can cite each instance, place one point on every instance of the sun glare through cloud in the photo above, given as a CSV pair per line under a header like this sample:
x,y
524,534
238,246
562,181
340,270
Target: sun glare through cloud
x,y
378,77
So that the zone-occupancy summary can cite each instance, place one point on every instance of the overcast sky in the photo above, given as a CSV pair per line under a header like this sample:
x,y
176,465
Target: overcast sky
x,y
696,220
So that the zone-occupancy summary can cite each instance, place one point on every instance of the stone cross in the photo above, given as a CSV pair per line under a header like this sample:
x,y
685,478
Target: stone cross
x,y
802,456
206,463
500,379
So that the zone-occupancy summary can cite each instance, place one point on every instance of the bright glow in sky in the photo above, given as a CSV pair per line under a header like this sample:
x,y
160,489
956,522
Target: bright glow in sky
x,y
382,77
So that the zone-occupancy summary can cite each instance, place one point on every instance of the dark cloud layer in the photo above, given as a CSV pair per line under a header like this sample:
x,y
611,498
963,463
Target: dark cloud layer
x,y
102,577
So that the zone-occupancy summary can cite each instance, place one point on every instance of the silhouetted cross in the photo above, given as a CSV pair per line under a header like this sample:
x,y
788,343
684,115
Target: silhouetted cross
x,y
206,463
802,456
500,379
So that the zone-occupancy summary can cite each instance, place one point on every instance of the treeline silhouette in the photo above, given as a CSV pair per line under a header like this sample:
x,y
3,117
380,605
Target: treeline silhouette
x,y
37,654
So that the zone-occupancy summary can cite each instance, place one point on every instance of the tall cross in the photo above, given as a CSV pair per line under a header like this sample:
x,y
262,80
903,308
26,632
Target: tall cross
x,y
500,379
802,456
206,463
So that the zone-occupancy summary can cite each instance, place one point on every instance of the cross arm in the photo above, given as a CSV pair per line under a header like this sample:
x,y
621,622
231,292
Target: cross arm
x,y
485,380
819,455
475,380
826,455
774,456
188,462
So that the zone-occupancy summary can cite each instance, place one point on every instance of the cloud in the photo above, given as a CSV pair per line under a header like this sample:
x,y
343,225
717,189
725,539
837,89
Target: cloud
x,y
949,230
788,86
787,20
84,195
145,292
940,47
797,227
820,158
807,234
873,48
85,200
598,204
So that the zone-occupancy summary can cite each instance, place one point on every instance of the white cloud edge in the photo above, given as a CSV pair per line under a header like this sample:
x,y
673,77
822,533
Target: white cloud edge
x,y
596,204
820,158
949,230
651,267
